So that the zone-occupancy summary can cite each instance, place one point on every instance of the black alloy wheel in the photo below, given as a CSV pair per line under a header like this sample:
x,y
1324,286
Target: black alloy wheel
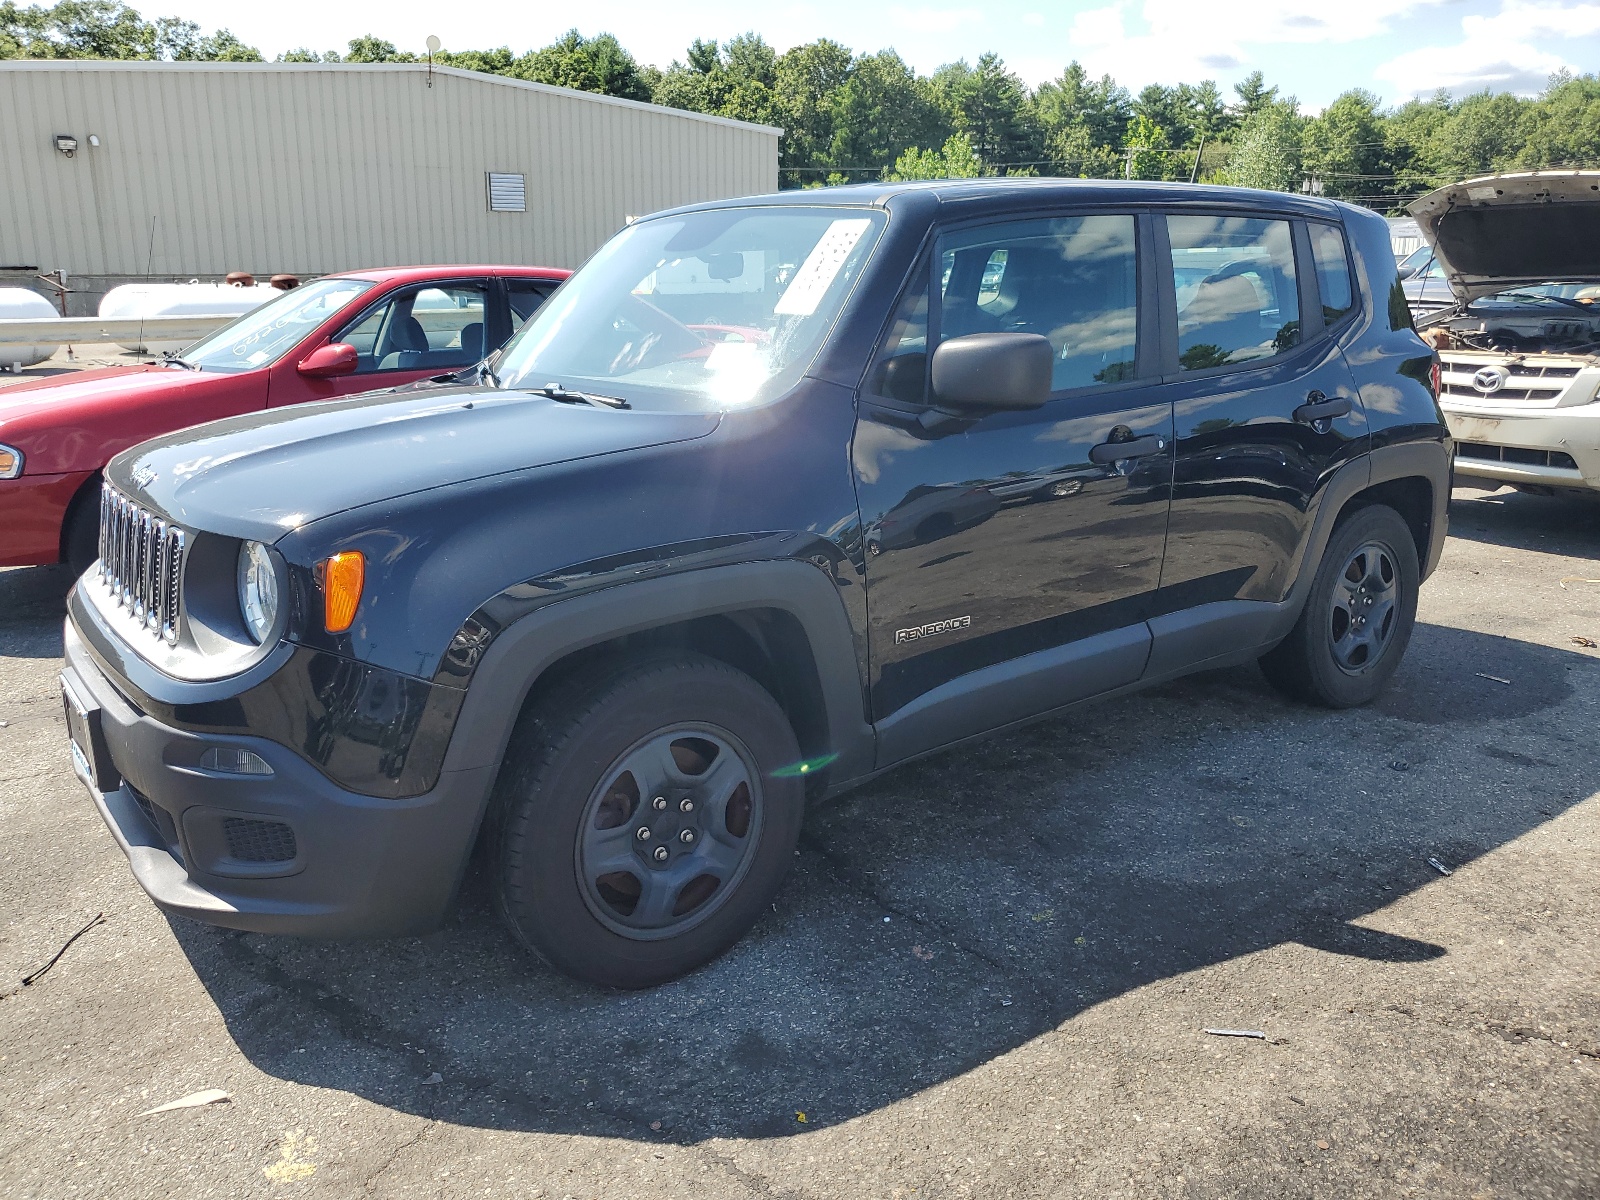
x,y
644,818
1365,608
1357,620
669,832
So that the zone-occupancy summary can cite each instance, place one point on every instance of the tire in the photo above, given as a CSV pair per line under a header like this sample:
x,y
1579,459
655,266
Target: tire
x,y
663,746
1370,570
80,541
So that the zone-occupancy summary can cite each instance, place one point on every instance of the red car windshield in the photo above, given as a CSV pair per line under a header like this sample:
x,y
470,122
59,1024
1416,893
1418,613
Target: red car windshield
x,y
264,335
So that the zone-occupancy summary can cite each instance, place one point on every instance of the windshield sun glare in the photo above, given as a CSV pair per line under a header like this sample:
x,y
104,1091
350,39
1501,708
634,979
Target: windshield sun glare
x,y
708,310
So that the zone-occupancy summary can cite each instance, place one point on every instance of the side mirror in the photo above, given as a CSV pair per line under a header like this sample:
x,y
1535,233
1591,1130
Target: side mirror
x,y
1407,272
993,371
336,358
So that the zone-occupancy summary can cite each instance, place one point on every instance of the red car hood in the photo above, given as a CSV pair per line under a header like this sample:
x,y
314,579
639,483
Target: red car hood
x,y
60,424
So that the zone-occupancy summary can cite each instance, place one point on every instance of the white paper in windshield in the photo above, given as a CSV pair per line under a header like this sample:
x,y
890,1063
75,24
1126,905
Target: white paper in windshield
x,y
816,275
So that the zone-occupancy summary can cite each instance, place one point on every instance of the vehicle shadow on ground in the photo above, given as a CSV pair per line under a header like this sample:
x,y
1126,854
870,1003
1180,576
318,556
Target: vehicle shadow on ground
x,y
1552,524
958,908
33,603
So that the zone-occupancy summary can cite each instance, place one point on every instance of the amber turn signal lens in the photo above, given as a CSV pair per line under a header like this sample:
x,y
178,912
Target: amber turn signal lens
x,y
342,578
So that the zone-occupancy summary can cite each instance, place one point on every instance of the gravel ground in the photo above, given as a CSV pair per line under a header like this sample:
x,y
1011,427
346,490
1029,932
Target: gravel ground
x,y
989,974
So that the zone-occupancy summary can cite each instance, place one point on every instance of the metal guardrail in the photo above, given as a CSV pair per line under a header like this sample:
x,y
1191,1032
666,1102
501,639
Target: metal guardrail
x,y
125,330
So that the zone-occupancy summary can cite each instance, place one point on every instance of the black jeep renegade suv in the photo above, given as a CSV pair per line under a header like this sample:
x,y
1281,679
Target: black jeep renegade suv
x,y
772,495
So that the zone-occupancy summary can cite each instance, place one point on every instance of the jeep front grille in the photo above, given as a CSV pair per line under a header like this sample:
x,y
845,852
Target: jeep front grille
x,y
141,563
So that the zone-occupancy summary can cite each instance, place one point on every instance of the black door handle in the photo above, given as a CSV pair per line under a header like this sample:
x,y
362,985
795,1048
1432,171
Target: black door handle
x,y
1110,452
1319,408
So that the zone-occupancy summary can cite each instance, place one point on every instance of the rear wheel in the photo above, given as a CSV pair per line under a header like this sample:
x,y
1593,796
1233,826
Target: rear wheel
x,y
644,821
1357,620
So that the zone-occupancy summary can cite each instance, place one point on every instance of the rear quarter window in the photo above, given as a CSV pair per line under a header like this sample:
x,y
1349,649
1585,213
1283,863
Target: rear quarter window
x,y
1335,281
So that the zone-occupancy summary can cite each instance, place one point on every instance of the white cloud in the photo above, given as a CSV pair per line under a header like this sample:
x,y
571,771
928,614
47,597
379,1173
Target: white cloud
x,y
935,20
1497,52
1163,40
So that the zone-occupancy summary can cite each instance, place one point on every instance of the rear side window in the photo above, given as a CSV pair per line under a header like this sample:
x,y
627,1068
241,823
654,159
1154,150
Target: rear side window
x,y
1333,271
1237,297
525,297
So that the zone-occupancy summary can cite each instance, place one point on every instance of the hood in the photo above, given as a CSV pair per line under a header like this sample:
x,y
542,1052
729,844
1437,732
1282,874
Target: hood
x,y
262,475
1505,231
52,394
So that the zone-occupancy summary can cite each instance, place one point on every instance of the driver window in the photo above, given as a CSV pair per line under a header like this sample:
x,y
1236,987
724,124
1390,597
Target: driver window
x,y
1074,280
421,329
901,370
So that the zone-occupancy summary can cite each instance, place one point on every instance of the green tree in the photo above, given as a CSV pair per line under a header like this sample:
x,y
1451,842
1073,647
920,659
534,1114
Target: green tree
x,y
1255,97
1344,147
371,49
105,29
990,105
806,84
1562,128
1267,151
956,159
879,113
1145,142
597,64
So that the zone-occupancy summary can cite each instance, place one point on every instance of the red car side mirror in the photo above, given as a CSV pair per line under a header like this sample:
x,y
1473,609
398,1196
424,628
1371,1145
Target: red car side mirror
x,y
336,358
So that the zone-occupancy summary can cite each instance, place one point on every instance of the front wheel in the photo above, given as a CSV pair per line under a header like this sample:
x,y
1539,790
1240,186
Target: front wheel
x,y
646,820
1357,619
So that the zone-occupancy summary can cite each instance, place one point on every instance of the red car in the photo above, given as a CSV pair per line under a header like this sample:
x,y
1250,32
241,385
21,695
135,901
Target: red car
x,y
352,332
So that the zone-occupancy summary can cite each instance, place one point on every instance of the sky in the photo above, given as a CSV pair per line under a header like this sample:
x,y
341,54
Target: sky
x,y
1312,50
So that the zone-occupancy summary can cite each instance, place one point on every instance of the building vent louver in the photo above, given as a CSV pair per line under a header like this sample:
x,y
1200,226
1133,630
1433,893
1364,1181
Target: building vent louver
x,y
508,193
141,563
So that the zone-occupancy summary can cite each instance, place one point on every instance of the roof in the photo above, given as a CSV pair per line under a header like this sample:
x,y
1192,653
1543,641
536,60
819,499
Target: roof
x,y
1021,193
64,65
441,270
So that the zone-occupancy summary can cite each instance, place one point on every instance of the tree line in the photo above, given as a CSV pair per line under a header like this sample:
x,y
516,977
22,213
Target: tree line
x,y
849,117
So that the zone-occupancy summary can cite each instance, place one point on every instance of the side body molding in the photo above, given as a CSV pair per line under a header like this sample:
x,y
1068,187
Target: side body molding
x,y
523,651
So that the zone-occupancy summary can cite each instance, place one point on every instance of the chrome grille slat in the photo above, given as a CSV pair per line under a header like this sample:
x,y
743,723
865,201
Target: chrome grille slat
x,y
141,564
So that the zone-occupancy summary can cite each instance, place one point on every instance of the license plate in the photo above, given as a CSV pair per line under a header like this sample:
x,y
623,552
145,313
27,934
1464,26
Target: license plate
x,y
91,759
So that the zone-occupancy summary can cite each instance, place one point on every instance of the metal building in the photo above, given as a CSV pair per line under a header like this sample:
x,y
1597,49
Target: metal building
x,y
113,171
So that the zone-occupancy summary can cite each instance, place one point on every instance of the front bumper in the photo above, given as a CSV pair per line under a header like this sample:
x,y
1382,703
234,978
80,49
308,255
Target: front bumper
x,y
291,852
1550,448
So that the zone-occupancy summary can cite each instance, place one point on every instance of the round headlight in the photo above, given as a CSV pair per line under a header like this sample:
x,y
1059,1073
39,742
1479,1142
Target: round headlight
x,y
258,590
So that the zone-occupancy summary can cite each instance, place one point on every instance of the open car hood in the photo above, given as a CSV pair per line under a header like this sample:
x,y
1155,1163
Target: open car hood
x,y
1505,231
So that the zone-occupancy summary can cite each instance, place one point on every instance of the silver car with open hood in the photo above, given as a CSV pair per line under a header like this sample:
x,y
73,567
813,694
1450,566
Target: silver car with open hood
x,y
1519,347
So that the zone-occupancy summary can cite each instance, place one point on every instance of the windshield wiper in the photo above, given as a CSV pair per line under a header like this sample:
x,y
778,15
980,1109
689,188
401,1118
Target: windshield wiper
x,y
172,360
1577,304
555,391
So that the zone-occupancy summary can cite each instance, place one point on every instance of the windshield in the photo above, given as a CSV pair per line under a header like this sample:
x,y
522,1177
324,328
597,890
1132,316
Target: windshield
x,y
707,310
1420,258
264,335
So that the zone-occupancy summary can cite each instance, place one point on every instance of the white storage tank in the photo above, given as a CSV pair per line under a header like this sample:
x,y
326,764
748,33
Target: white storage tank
x,y
192,299
23,304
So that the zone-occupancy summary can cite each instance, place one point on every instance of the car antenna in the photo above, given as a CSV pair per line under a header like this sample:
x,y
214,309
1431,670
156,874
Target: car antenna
x,y
149,262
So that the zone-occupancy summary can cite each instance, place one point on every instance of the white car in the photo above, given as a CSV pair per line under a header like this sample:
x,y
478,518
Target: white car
x,y
1519,348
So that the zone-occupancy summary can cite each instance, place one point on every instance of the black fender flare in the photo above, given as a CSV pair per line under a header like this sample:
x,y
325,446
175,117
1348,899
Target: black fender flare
x,y
522,652
1187,641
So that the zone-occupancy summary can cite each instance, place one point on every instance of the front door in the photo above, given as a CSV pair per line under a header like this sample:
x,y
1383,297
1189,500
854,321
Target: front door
x,y
1012,557
412,333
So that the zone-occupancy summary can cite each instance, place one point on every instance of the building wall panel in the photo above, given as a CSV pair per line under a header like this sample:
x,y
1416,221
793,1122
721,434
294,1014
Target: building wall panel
x,y
312,168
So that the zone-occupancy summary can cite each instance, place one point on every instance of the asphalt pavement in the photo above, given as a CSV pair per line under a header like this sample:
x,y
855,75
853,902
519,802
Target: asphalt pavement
x,y
990,973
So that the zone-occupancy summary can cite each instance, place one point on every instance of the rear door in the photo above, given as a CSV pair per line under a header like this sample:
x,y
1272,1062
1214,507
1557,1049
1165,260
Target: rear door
x,y
1012,557
1265,406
